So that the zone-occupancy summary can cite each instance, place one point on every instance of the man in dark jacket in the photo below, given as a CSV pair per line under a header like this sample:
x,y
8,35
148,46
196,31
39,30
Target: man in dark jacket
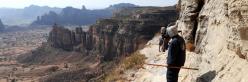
x,y
176,54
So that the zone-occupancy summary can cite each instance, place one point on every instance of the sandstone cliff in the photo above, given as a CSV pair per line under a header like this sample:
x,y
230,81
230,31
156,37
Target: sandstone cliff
x,y
199,19
218,30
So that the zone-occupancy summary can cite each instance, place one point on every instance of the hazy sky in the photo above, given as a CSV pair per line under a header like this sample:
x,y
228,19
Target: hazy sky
x,y
90,4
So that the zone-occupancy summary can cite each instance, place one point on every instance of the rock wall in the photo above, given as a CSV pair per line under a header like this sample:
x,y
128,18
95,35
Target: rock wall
x,y
218,30
197,16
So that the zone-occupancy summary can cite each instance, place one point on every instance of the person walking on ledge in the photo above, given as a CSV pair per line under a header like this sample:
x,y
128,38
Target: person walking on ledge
x,y
176,54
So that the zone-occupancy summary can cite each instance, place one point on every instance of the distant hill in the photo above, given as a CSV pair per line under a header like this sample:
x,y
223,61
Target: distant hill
x,y
27,15
74,16
1,25
121,5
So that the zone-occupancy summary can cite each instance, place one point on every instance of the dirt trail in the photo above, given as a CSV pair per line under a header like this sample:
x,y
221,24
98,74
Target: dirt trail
x,y
154,73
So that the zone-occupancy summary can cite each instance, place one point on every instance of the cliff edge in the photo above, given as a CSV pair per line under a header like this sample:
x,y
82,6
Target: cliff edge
x,y
216,36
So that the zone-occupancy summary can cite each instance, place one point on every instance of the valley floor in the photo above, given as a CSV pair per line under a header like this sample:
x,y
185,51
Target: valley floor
x,y
15,43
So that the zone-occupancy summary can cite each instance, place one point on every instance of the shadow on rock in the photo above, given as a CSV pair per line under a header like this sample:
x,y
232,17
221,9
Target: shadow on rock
x,y
207,77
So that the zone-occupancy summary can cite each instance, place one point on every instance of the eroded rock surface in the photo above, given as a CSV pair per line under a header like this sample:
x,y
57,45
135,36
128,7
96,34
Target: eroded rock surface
x,y
219,32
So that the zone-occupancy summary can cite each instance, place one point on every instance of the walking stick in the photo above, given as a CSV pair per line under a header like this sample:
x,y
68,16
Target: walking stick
x,y
173,67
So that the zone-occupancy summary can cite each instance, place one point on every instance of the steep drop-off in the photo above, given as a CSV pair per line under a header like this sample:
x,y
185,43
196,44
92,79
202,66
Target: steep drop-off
x,y
106,41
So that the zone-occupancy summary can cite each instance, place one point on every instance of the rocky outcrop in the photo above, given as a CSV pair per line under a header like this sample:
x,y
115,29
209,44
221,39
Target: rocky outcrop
x,y
196,20
61,37
69,40
115,37
218,30
1,25
189,19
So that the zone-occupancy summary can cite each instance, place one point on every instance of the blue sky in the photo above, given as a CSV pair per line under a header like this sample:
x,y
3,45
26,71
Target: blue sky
x,y
90,4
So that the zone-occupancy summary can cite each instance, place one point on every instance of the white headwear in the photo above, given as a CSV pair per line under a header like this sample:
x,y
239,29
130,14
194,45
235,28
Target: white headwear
x,y
172,30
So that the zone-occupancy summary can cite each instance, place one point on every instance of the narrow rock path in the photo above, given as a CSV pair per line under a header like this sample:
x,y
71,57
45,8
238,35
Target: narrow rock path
x,y
154,73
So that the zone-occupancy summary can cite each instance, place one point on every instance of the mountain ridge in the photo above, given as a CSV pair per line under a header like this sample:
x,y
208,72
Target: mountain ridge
x,y
13,16
78,17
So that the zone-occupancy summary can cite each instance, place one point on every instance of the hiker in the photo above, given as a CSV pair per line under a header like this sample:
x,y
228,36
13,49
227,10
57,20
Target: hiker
x,y
176,53
164,40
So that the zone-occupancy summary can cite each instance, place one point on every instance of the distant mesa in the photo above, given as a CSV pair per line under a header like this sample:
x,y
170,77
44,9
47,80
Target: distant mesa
x,y
122,5
74,16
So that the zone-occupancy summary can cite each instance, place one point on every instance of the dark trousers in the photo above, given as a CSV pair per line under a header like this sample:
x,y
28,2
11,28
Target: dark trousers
x,y
172,74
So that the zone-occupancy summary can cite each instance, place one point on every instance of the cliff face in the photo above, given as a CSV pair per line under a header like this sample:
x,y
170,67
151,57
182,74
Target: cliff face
x,y
119,36
200,19
218,30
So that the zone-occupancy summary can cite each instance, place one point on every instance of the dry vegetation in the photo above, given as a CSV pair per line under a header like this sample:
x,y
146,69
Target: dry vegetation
x,y
190,47
134,61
